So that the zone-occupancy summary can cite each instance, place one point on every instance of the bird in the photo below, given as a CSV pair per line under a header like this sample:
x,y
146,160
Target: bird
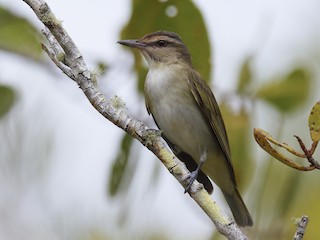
x,y
186,111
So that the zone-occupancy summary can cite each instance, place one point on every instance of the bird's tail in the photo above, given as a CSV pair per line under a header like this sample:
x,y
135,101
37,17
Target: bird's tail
x,y
238,208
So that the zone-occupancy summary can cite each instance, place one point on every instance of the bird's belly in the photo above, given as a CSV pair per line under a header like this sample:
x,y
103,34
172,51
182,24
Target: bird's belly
x,y
185,127
183,124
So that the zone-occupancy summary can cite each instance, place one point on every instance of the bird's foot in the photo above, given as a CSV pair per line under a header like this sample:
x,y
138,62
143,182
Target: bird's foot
x,y
194,174
191,177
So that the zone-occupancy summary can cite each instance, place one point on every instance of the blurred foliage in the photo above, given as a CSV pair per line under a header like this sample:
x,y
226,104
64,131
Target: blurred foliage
x,y
288,93
277,188
288,191
280,186
238,125
245,76
182,17
120,164
7,97
18,35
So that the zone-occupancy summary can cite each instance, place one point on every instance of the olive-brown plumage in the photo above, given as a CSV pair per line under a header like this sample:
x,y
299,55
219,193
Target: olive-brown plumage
x,y
184,108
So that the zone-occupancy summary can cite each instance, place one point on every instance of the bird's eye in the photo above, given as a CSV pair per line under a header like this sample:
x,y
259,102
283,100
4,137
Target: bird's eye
x,y
162,43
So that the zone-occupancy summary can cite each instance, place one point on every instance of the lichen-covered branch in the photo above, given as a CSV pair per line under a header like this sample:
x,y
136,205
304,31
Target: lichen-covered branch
x,y
65,54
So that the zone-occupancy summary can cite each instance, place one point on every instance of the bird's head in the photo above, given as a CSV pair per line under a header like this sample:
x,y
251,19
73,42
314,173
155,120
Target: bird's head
x,y
161,47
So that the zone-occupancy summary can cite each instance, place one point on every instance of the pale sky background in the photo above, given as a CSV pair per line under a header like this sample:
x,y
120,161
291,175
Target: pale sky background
x,y
69,197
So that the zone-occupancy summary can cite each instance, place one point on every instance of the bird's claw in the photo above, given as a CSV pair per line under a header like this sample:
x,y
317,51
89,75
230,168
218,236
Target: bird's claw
x,y
191,177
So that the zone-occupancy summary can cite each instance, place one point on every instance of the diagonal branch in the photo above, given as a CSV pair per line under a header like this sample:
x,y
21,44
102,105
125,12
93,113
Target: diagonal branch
x,y
74,66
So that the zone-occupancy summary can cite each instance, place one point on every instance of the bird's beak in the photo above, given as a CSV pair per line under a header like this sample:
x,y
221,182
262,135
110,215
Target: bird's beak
x,y
133,43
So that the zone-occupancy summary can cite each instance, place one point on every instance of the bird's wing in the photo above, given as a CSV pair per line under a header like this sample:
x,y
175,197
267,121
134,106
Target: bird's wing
x,y
210,110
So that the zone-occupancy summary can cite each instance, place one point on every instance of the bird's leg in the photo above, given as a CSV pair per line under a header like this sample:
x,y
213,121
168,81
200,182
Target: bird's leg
x,y
194,174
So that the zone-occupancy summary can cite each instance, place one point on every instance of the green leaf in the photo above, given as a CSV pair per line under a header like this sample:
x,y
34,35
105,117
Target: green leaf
x,y
120,165
245,75
314,122
18,35
289,93
150,16
7,98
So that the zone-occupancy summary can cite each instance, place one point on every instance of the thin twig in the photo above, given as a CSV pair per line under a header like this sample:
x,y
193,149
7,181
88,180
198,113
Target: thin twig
x,y
59,64
308,153
313,147
301,228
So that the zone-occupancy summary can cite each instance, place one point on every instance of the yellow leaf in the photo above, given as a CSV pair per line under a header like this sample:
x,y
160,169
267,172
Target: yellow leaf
x,y
314,122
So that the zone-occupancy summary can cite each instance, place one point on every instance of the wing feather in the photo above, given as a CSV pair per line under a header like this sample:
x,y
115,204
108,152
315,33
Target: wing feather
x,y
210,111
